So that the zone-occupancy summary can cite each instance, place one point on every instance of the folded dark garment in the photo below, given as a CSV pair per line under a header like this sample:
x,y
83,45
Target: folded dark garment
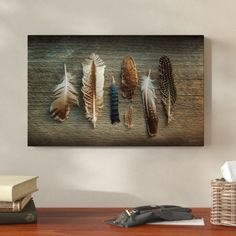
x,y
146,214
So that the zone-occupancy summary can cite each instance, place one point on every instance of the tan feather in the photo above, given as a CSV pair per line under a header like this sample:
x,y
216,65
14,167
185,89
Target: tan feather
x,y
129,77
128,117
93,83
65,97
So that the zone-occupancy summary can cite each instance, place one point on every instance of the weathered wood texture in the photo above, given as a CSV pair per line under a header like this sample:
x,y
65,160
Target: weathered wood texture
x,y
90,222
47,54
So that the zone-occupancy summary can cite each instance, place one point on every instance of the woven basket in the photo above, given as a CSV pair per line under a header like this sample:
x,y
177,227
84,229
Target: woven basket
x,y
223,211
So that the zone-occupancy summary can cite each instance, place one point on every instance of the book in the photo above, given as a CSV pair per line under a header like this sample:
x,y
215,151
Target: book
x,y
13,188
15,206
27,216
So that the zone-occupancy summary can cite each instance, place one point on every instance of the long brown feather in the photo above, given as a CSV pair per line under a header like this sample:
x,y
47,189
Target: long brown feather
x,y
129,77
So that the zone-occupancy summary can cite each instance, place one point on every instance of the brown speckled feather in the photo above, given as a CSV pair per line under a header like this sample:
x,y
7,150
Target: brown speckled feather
x,y
167,87
129,77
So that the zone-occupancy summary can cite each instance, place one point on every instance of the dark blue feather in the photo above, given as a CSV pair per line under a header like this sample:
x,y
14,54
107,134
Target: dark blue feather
x,y
114,103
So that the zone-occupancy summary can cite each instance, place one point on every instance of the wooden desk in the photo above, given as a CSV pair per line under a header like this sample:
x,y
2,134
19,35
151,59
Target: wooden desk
x,y
90,221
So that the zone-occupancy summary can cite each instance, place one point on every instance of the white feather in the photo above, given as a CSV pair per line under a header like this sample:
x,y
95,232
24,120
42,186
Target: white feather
x,y
149,101
148,91
65,96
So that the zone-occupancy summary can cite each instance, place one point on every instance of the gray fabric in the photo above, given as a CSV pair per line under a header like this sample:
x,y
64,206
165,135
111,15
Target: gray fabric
x,y
146,214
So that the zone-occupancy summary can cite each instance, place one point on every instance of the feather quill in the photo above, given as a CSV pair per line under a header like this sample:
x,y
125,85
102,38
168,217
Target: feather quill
x,y
149,99
128,117
93,84
114,103
65,97
167,87
129,77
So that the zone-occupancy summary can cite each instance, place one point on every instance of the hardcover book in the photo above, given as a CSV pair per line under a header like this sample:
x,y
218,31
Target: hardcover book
x,y
27,216
13,188
15,206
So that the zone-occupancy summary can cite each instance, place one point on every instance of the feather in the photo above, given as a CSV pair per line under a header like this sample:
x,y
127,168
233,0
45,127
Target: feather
x,y
129,77
65,96
167,87
128,117
149,99
93,83
114,103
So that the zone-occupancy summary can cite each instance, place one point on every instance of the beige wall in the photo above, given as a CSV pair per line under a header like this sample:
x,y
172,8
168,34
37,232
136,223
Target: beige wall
x,y
119,176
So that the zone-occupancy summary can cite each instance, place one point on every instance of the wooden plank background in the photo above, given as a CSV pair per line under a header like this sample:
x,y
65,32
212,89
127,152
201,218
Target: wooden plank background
x,y
46,56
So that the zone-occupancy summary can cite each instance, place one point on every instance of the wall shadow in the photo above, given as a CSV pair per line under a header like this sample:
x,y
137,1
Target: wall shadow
x,y
86,198
207,91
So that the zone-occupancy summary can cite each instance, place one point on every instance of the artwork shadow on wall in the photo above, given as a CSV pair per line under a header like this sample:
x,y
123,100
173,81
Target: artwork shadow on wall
x,y
115,90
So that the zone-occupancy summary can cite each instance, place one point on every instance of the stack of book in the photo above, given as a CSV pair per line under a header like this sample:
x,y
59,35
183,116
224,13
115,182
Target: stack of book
x,y
16,203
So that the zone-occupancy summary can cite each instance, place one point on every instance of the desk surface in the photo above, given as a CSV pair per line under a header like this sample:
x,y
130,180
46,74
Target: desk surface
x,y
90,221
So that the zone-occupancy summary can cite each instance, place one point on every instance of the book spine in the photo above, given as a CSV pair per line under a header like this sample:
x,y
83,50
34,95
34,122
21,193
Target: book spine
x,y
10,207
16,206
18,218
6,210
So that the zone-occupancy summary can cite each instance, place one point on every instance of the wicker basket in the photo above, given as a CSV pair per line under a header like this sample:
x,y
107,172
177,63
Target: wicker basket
x,y
223,211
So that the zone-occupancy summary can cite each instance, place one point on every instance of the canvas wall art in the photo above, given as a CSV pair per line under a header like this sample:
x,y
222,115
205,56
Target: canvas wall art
x,y
115,90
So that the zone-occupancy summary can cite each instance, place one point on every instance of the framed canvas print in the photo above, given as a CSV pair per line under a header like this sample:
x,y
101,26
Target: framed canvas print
x,y
115,90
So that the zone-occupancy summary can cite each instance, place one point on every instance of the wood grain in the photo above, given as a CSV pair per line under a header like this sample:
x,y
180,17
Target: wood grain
x,y
90,221
46,56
